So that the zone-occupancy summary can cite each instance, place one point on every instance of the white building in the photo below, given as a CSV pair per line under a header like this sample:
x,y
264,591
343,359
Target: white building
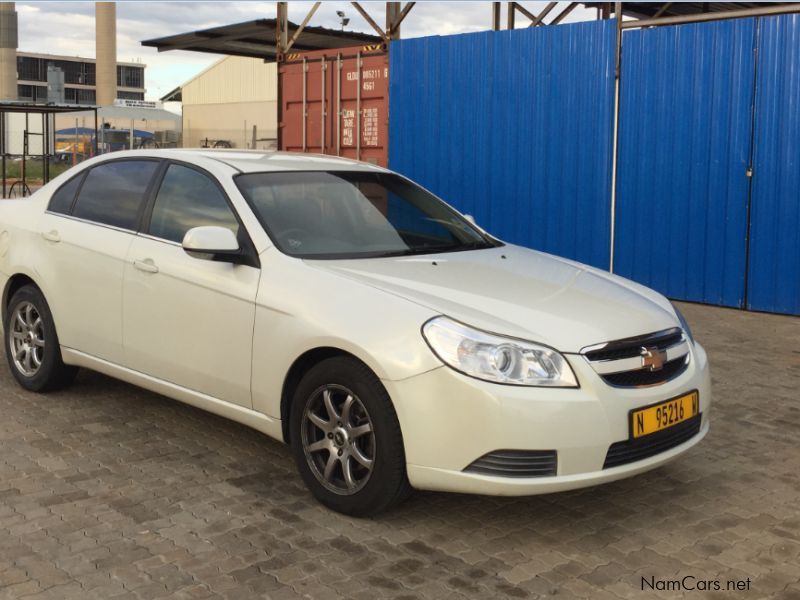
x,y
233,102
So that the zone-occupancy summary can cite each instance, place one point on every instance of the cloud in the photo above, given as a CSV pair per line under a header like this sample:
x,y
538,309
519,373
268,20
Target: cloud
x,y
69,27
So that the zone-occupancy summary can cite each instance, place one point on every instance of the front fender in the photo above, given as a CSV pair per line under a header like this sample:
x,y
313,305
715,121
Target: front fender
x,y
299,309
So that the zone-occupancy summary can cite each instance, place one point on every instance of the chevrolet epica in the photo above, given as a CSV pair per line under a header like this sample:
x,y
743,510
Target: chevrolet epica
x,y
337,306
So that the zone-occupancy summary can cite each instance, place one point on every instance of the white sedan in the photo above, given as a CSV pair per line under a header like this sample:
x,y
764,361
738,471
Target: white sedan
x,y
337,306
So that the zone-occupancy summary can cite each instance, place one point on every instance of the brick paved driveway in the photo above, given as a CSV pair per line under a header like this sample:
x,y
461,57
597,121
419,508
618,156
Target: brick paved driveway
x,y
109,491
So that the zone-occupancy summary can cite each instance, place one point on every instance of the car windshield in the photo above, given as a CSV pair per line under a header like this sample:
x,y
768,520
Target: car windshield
x,y
355,214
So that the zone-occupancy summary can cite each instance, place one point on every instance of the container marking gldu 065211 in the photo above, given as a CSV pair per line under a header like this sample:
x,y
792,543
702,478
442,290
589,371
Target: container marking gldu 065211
x,y
336,102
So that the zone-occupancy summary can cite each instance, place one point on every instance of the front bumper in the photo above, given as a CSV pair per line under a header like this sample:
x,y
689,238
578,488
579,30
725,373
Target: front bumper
x,y
449,420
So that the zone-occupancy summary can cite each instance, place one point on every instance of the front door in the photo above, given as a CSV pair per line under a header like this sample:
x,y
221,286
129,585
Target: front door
x,y
189,320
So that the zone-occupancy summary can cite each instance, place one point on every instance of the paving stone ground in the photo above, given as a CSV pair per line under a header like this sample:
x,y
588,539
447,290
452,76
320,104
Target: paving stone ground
x,y
108,491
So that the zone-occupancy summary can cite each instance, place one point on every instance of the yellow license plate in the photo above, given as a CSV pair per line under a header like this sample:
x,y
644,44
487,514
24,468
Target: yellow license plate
x,y
664,414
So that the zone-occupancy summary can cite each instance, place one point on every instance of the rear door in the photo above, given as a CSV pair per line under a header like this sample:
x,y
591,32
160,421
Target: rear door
x,y
189,320
88,228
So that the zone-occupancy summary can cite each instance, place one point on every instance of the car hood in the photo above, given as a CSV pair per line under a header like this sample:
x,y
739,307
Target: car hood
x,y
518,292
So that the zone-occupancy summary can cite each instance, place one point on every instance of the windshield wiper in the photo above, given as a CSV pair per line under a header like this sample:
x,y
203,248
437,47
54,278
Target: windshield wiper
x,y
476,245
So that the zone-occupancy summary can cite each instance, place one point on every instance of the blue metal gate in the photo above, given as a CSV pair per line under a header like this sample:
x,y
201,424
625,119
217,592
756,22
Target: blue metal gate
x,y
513,127
774,260
684,150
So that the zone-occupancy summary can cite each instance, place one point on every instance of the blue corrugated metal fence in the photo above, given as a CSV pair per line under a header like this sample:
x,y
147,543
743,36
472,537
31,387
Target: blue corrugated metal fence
x,y
513,127
774,264
686,101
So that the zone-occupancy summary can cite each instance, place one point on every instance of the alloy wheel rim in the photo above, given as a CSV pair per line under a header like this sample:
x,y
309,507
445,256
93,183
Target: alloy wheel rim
x,y
338,439
26,339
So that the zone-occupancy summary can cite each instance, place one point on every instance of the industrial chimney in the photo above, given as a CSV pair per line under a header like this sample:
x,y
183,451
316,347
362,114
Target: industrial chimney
x,y
8,51
105,24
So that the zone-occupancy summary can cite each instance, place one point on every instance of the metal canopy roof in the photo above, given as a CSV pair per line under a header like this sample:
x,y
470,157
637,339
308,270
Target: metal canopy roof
x,y
32,108
257,39
644,10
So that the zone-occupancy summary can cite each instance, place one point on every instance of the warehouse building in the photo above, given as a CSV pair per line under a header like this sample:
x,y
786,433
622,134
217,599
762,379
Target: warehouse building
x,y
231,104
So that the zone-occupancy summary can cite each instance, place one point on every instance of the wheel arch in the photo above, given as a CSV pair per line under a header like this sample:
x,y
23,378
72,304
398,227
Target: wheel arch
x,y
14,283
299,368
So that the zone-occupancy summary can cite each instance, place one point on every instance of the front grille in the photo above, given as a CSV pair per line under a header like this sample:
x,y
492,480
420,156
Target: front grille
x,y
622,453
641,377
624,362
516,463
631,347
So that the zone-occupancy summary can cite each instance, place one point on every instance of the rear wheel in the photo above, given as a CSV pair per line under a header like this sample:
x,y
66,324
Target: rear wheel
x,y
346,439
32,347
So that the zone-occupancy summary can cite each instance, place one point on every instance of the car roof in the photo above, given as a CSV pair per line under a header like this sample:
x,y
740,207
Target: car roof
x,y
254,161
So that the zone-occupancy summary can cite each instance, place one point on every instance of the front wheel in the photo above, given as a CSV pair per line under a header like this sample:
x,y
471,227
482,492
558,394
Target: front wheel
x,y
32,347
346,439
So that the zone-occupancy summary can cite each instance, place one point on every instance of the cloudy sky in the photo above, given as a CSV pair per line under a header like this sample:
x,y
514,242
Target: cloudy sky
x,y
68,27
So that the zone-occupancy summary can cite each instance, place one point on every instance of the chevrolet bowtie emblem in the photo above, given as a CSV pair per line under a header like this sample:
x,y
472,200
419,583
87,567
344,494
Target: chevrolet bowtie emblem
x,y
653,358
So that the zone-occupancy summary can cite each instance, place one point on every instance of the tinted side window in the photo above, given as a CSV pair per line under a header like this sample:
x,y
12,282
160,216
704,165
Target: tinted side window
x,y
61,201
113,192
187,198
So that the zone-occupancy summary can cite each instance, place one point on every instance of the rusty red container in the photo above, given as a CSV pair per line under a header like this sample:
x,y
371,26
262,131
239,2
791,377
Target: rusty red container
x,y
336,102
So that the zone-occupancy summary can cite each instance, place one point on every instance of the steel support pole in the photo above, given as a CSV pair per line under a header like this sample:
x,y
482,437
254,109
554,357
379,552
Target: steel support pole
x,y
370,20
545,11
512,9
392,15
563,14
395,33
3,147
615,139
300,29
662,10
282,29
495,16
45,148
525,11
25,152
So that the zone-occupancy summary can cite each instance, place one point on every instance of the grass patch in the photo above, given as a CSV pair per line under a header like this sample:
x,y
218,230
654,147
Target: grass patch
x,y
34,170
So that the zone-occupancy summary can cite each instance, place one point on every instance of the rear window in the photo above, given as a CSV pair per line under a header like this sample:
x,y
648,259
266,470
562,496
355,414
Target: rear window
x,y
113,192
61,201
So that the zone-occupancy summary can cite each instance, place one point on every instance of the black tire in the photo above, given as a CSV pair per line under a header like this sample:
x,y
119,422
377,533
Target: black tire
x,y
387,483
52,374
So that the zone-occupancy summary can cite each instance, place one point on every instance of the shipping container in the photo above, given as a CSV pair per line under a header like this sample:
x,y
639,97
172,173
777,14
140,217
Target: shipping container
x,y
336,102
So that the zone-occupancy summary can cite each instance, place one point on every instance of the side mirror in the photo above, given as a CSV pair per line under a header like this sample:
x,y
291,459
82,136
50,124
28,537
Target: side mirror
x,y
470,219
211,240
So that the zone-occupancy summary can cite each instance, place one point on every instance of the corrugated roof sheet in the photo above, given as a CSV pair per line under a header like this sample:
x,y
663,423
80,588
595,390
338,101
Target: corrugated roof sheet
x,y
256,39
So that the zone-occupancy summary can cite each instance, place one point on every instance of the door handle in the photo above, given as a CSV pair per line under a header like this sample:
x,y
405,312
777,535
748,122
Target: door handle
x,y
51,236
147,265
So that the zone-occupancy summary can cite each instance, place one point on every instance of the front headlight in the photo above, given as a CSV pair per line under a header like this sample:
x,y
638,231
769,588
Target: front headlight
x,y
684,324
496,358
